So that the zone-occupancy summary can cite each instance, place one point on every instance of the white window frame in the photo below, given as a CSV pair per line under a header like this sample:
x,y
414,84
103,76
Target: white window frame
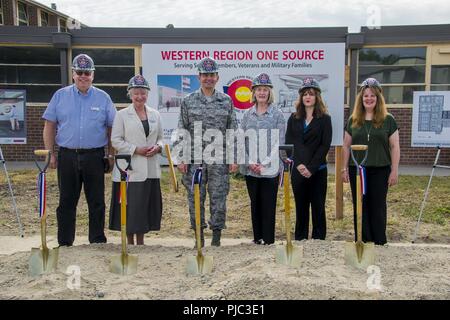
x,y
40,12
26,13
2,21
59,24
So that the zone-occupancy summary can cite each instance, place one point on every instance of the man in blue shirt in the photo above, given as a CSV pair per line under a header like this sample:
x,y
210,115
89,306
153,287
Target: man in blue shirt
x,y
79,118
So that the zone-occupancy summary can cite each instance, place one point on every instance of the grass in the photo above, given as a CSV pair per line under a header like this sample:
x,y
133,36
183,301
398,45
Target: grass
x,y
407,197
404,201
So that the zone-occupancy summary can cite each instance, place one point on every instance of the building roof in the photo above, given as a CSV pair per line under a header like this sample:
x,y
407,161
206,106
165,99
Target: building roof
x,y
49,9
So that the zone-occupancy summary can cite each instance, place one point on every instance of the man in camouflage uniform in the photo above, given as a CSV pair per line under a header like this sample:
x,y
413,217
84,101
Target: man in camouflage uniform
x,y
214,110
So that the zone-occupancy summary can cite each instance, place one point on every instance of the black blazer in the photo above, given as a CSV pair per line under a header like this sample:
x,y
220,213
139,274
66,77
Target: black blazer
x,y
310,147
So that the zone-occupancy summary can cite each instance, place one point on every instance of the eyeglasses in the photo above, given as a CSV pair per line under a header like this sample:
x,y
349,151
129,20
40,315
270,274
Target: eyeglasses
x,y
86,73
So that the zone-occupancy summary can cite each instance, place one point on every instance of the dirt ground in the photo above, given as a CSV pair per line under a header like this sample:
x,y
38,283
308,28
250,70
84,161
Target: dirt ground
x,y
241,270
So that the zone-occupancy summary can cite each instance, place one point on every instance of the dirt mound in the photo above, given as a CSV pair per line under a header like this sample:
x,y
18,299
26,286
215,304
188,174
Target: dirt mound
x,y
242,271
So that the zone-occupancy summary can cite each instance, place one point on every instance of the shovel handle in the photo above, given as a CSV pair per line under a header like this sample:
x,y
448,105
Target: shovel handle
x,y
365,148
358,208
197,218
41,153
44,233
123,216
287,208
127,158
359,147
286,147
171,168
285,151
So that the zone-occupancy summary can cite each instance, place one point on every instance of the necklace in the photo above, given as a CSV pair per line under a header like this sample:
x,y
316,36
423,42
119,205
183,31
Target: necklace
x,y
368,132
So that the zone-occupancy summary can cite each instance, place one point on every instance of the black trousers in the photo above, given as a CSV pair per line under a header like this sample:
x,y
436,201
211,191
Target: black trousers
x,y
74,171
374,209
310,192
263,200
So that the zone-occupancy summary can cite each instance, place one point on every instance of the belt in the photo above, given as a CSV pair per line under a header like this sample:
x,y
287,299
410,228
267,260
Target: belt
x,y
81,151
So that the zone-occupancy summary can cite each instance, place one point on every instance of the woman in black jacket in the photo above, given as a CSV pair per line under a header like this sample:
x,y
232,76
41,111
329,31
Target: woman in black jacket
x,y
309,130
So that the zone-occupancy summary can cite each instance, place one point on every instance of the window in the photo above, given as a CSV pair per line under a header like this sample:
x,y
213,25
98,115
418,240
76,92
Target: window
x,y
113,69
35,69
440,78
62,25
44,19
22,14
401,71
1,14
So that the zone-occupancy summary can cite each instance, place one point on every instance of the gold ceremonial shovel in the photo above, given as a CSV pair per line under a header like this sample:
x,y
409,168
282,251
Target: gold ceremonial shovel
x,y
43,260
123,264
171,168
289,254
359,254
199,264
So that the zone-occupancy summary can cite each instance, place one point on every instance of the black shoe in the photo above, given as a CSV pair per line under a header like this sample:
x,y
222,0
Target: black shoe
x,y
99,241
64,245
260,241
216,238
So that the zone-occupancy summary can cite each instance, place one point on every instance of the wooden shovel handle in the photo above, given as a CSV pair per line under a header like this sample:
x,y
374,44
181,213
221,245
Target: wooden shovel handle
x,y
359,147
41,152
171,168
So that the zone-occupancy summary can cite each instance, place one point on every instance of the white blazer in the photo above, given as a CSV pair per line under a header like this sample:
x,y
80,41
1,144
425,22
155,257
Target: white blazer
x,y
128,134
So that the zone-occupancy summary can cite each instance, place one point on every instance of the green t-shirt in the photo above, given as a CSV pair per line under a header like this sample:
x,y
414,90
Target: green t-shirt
x,y
377,139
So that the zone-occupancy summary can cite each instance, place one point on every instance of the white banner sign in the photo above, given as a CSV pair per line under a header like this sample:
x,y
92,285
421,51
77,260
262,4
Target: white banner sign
x,y
171,70
431,119
13,129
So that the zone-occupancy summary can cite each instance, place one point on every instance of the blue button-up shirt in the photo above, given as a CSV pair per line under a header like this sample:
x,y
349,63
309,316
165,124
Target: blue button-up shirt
x,y
82,119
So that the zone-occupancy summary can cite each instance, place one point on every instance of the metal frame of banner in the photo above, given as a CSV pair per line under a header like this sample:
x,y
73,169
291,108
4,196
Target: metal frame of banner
x,y
435,165
3,161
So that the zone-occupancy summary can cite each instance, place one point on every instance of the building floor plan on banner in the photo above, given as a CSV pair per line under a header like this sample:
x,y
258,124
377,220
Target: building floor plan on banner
x,y
431,119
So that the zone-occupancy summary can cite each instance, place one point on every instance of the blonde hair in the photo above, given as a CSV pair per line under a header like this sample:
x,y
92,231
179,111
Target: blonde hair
x,y
319,108
270,99
359,112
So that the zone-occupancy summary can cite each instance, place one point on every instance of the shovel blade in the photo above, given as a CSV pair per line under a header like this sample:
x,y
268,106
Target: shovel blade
x,y
42,261
124,264
289,255
199,264
359,255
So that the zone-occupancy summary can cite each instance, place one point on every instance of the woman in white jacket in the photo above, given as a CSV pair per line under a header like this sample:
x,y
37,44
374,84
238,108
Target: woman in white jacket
x,y
137,130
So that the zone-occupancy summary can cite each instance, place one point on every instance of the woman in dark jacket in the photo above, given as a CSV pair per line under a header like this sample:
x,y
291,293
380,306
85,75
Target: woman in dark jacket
x,y
309,130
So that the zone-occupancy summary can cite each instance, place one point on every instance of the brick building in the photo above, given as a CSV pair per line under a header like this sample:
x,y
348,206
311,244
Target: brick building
x,y
404,58
32,13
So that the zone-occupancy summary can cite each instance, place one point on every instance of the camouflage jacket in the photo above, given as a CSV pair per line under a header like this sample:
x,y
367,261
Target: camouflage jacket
x,y
214,112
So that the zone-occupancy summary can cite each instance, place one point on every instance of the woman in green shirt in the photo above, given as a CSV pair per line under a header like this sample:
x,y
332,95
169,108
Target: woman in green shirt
x,y
370,124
